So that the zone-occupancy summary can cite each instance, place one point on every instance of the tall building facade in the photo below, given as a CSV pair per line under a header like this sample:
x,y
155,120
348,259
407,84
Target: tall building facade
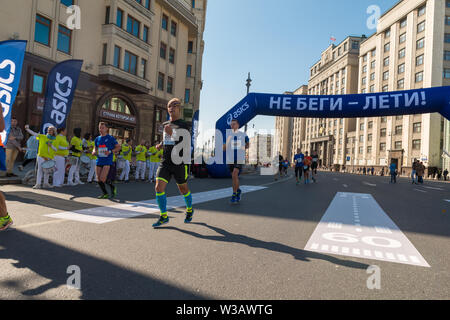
x,y
260,149
298,126
283,135
138,54
411,35
335,73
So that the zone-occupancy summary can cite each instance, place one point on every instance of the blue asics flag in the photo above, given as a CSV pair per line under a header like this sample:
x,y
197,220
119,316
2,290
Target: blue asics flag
x,y
12,54
61,84
194,130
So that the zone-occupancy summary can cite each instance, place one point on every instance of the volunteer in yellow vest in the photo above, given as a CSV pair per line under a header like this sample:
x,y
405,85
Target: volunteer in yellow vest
x,y
48,147
76,148
155,159
90,144
126,151
60,157
147,158
141,151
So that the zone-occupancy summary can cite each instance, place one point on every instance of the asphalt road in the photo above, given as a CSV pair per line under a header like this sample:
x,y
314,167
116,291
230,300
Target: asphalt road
x,y
254,250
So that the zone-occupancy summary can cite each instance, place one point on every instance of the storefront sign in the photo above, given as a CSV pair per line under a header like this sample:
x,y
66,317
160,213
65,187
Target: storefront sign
x,y
108,114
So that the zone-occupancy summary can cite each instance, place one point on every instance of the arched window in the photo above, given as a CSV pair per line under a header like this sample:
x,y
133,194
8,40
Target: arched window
x,y
118,105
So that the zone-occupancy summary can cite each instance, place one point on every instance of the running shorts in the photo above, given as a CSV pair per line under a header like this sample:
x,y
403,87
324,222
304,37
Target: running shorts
x,y
179,172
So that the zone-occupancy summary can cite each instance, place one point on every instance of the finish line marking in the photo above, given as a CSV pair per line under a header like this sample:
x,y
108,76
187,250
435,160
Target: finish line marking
x,y
365,231
101,215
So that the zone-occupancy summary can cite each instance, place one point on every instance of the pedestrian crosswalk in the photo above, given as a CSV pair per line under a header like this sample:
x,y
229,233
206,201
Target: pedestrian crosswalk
x,y
101,215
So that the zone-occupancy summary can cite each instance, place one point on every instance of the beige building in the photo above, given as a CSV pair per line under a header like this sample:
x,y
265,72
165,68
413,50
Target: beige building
x,y
260,149
137,54
298,127
336,73
411,35
283,135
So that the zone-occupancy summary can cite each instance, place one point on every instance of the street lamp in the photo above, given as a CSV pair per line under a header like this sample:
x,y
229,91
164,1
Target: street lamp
x,y
248,85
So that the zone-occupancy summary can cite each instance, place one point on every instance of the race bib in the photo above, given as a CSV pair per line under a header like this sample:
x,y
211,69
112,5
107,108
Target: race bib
x,y
169,140
102,150
236,145
305,167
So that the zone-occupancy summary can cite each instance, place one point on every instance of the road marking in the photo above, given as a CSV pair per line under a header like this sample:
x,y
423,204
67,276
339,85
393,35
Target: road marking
x,y
345,186
423,191
101,215
371,232
369,184
334,225
433,188
335,179
38,224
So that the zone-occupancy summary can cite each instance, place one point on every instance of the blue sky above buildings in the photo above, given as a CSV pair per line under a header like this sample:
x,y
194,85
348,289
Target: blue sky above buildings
x,y
277,41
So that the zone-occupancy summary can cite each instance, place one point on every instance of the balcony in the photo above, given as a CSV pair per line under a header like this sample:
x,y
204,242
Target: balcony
x,y
111,30
123,78
143,10
183,9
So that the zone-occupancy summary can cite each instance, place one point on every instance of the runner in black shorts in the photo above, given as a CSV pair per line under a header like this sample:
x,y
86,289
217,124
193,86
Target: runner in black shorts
x,y
235,146
168,168
314,164
306,166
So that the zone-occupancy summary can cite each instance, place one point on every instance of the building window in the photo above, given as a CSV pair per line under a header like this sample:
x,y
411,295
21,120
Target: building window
x,y
369,149
385,88
421,11
419,60
190,46
447,20
386,75
421,27
383,132
403,23
64,39
364,70
355,44
372,89
447,38
416,144
386,62
188,71
401,68
144,68
365,58
145,34
373,53
169,85
130,63
107,14
402,53
387,33
42,31
105,51
163,50
417,127
119,18
361,150
361,127
387,47
38,84
67,3
364,80
372,65
420,43
398,130
402,38
133,26
117,54
173,28
369,137
401,84
161,77
345,47
447,55
398,145
446,73
419,76
165,22
372,76
382,146
193,4
147,4
384,120
187,95
172,56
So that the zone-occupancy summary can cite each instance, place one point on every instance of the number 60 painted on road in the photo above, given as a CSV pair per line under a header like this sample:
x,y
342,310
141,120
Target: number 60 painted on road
x,y
370,240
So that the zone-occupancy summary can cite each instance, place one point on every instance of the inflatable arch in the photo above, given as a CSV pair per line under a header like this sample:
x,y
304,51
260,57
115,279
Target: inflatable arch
x,y
396,103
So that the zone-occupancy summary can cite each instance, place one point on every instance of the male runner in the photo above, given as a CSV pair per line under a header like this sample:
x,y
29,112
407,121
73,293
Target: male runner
x,y
306,166
105,146
314,164
235,142
5,219
298,159
167,168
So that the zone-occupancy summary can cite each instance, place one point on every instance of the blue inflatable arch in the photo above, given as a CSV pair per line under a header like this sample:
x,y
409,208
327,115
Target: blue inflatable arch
x,y
396,103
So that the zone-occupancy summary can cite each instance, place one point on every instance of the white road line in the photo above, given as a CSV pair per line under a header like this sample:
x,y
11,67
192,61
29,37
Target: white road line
x,y
335,249
324,247
390,256
367,253
378,254
315,246
369,184
447,200
402,257
356,251
414,259
383,230
345,186
345,250
358,230
433,188
423,191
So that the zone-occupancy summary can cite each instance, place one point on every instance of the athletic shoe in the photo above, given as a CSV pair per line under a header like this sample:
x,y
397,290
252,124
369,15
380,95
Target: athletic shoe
x,y
5,223
127,181
47,186
79,182
114,193
38,186
238,195
189,215
162,220
104,196
234,199
314,179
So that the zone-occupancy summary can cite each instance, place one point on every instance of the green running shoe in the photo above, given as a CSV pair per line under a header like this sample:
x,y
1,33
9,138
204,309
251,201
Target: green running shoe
x,y
5,223
104,196
189,215
162,220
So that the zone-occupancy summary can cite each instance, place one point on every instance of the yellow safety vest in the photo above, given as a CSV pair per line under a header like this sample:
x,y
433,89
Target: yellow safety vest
x,y
142,155
126,148
78,143
62,142
46,151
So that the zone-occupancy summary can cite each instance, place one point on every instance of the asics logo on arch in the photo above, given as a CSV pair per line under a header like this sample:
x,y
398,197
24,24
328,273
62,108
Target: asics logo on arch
x,y
236,114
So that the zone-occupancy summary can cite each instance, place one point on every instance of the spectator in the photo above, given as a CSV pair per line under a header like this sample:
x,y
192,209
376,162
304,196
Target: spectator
x,y
393,172
414,171
13,147
445,174
420,171
364,171
439,175
32,149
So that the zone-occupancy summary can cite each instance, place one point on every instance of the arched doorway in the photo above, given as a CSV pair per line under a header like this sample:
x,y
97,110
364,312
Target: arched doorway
x,y
120,114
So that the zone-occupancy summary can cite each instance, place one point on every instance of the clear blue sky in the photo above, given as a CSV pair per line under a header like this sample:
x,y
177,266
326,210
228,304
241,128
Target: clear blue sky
x,y
277,41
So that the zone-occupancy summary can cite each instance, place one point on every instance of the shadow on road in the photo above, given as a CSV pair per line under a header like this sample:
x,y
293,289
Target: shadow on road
x,y
100,279
298,254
